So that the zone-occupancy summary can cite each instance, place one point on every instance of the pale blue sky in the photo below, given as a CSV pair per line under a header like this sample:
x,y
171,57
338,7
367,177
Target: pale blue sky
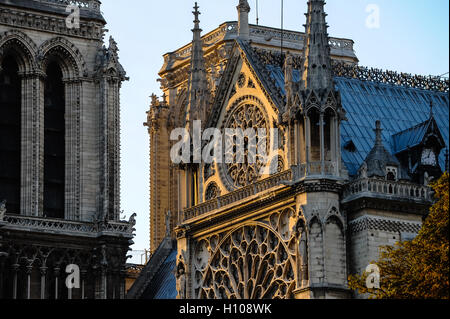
x,y
413,38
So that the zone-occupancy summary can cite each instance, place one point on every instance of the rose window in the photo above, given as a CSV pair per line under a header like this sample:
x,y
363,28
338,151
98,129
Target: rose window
x,y
244,157
251,263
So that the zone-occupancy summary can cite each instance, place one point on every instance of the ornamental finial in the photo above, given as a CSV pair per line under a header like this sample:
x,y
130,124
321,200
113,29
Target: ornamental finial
x,y
378,136
196,14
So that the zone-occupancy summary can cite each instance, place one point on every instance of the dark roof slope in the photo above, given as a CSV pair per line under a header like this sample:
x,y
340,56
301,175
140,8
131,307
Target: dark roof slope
x,y
157,279
366,99
414,136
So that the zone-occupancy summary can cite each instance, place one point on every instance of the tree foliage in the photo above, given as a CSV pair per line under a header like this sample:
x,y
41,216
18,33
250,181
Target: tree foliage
x,y
416,269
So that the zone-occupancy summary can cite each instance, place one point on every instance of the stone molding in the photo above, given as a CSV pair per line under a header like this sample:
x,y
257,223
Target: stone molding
x,y
19,18
375,223
83,229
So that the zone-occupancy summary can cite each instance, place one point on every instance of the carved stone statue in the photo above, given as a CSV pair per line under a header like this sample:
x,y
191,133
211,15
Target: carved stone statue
x,y
302,253
288,67
181,279
113,46
155,101
363,170
2,209
288,79
132,222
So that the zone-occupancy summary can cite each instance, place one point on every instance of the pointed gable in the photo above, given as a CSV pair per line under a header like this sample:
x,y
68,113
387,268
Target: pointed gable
x,y
417,135
243,56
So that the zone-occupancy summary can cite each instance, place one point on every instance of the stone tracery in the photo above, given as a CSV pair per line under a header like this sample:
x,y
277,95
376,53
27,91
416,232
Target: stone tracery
x,y
254,261
244,168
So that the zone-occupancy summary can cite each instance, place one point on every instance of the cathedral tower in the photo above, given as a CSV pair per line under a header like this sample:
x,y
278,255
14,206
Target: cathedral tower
x,y
60,161
314,114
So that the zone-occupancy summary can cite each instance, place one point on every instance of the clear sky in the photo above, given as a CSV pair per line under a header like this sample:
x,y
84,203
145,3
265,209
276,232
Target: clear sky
x,y
411,36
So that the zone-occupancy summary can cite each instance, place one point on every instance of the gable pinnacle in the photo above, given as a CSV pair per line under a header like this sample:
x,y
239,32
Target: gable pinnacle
x,y
196,29
243,26
317,61
198,83
196,17
378,136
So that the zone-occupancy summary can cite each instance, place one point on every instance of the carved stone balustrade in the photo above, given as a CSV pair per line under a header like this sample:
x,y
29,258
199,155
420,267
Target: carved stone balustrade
x,y
87,229
315,169
373,187
237,195
92,5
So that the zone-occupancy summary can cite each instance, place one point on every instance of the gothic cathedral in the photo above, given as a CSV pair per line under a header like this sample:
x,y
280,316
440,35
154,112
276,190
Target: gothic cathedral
x,y
349,172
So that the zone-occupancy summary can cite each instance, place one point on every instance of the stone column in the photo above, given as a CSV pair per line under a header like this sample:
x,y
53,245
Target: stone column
x,y
338,146
56,273
308,143
15,269
296,143
43,271
110,147
322,145
29,269
83,275
73,90
32,147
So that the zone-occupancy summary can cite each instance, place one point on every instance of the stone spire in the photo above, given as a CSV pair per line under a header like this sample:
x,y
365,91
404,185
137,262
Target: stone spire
x,y
317,66
379,158
198,83
378,137
243,26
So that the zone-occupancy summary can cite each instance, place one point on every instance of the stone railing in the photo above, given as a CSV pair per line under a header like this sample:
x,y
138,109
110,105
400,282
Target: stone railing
x,y
435,83
314,169
377,187
229,31
237,195
64,226
93,5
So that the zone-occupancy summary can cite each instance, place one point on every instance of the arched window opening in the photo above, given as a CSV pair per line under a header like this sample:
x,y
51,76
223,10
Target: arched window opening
x,y
54,143
10,135
301,137
314,119
328,130
390,176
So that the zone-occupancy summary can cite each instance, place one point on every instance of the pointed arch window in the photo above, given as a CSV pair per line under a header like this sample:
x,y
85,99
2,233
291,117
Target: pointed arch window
x,y
54,142
329,135
314,119
10,134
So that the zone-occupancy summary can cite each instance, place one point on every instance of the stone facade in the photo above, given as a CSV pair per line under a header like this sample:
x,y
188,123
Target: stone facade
x,y
87,229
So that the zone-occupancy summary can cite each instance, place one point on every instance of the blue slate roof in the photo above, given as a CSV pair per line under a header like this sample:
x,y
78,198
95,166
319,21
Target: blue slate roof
x,y
412,136
398,108
163,284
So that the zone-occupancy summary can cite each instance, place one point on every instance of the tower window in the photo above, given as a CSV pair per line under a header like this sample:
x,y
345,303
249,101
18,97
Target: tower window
x,y
54,143
314,118
10,134
391,173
